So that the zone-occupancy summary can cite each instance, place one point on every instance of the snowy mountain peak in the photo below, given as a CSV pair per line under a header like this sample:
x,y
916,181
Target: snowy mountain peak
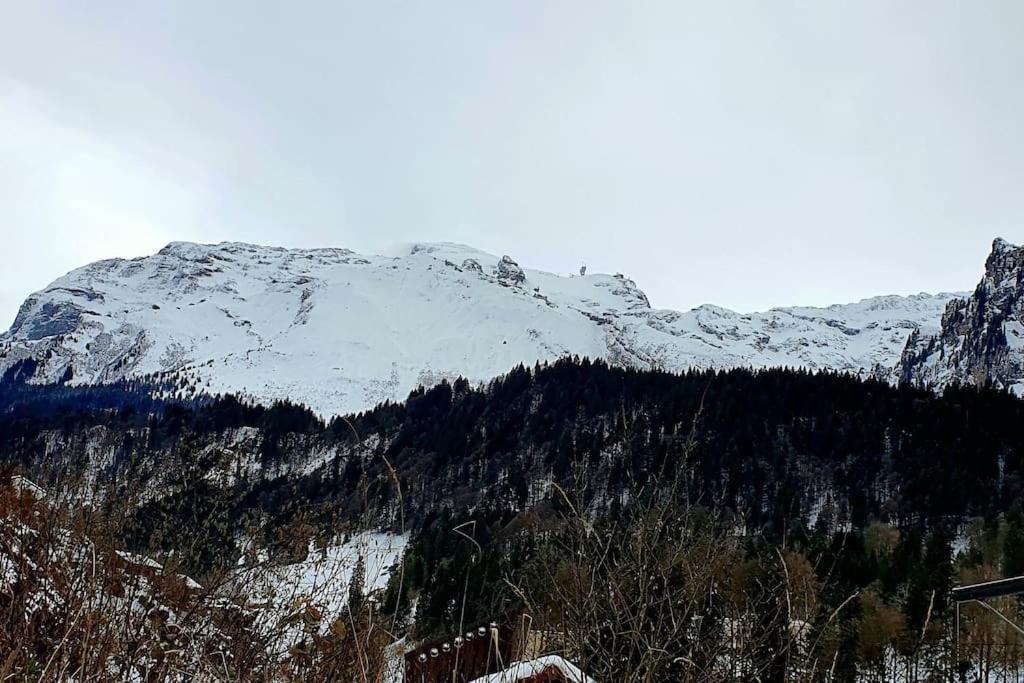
x,y
1003,262
981,338
343,331
1000,246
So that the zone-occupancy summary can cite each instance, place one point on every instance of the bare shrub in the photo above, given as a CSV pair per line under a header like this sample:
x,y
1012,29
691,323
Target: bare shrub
x,y
75,606
670,593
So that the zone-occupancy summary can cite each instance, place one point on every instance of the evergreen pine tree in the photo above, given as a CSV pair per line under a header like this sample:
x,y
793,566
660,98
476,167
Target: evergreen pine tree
x,y
355,586
1013,543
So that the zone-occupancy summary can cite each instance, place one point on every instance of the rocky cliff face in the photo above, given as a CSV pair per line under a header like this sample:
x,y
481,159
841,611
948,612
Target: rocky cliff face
x,y
341,332
981,339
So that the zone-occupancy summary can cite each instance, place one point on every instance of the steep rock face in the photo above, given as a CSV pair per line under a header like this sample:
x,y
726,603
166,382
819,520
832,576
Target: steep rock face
x,y
981,337
342,332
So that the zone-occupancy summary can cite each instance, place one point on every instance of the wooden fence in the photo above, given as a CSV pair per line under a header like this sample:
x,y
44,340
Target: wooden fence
x,y
481,650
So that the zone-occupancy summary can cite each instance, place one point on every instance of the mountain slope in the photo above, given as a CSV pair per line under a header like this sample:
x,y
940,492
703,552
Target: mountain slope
x,y
341,331
779,455
982,336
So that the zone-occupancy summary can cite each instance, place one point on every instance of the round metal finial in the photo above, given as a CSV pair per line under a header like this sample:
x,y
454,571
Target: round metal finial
x,y
482,631
470,635
446,648
494,624
422,659
434,652
458,642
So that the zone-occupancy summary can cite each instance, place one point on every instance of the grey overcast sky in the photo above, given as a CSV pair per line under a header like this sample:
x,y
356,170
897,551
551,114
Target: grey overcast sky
x,y
748,154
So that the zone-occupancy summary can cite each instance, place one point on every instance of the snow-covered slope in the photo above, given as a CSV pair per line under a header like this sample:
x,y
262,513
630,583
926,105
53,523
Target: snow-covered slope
x,y
341,331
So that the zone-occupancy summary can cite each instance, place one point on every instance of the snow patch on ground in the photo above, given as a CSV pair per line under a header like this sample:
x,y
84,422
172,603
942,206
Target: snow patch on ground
x,y
321,581
521,671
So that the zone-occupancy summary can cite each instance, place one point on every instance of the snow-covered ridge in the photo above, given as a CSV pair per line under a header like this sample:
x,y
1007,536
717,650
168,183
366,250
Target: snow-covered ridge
x,y
341,331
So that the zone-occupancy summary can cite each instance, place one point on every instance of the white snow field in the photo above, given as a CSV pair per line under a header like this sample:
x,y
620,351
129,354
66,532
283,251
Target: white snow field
x,y
342,332
321,581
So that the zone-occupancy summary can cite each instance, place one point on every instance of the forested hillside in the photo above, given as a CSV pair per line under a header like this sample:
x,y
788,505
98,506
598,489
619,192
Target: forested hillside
x,y
883,497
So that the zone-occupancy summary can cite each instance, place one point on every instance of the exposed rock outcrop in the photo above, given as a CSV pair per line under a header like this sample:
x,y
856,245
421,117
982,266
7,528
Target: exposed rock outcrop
x,y
981,339
508,272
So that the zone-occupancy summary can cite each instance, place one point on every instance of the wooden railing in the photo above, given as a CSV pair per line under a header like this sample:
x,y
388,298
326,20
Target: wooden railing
x,y
481,650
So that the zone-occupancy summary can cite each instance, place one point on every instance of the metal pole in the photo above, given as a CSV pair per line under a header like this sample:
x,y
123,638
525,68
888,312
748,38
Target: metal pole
x,y
999,614
956,648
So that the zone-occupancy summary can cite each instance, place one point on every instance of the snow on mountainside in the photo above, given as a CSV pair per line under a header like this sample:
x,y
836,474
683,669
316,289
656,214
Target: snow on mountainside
x,y
341,331
982,335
